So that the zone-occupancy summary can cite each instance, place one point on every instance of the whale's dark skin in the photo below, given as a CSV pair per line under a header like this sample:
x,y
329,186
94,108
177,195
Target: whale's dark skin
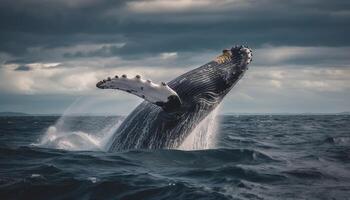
x,y
201,90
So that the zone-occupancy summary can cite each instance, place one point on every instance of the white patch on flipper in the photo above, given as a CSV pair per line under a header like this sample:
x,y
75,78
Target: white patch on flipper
x,y
145,89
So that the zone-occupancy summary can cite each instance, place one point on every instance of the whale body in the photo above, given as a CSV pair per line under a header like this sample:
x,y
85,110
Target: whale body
x,y
172,110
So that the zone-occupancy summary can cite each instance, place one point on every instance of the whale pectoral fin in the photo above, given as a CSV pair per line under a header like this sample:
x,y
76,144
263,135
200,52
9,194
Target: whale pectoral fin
x,y
159,94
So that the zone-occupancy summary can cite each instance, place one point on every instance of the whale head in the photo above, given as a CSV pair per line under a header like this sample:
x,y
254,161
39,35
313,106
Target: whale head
x,y
207,85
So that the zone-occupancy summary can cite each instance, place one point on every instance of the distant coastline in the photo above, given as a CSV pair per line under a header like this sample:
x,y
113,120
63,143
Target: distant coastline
x,y
21,114
9,114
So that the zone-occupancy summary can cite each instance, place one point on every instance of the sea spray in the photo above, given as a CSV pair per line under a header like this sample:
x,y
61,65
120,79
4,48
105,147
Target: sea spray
x,y
80,133
94,140
75,132
204,135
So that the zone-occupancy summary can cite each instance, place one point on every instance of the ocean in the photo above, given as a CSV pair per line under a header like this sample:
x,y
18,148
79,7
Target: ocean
x,y
250,157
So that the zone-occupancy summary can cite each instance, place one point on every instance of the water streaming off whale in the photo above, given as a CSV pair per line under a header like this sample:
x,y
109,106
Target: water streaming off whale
x,y
204,136
95,133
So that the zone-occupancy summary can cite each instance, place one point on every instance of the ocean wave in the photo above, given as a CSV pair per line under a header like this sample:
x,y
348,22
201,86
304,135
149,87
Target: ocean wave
x,y
256,157
338,140
308,174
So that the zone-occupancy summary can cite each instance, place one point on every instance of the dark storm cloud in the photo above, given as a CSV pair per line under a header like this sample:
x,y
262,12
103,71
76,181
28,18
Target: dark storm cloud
x,y
23,68
50,24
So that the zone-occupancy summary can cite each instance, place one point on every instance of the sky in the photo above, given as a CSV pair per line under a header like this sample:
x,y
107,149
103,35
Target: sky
x,y
52,52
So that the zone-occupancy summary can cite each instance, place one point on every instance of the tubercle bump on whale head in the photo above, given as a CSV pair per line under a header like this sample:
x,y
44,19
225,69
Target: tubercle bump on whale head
x,y
245,55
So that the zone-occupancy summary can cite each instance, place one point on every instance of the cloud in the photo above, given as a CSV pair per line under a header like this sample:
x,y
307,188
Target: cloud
x,y
95,50
22,68
168,55
166,6
300,47
304,68
155,26
56,78
288,89
299,55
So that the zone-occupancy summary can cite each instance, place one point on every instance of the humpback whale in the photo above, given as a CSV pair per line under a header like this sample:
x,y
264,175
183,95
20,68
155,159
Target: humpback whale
x,y
172,110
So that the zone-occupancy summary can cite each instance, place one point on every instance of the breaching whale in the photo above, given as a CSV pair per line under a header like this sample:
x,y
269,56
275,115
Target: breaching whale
x,y
172,110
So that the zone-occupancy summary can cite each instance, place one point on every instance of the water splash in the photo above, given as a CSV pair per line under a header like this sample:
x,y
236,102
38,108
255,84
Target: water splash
x,y
74,132
204,136
80,133
55,137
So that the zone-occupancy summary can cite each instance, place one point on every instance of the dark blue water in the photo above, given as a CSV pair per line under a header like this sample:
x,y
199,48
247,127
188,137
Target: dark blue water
x,y
257,157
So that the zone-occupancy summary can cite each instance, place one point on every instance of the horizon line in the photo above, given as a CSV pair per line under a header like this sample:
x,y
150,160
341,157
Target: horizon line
x,y
15,113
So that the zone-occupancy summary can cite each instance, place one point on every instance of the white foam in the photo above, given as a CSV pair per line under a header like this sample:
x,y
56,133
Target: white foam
x,y
92,179
35,176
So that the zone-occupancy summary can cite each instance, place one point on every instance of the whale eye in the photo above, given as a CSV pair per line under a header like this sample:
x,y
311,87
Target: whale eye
x,y
116,76
138,76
